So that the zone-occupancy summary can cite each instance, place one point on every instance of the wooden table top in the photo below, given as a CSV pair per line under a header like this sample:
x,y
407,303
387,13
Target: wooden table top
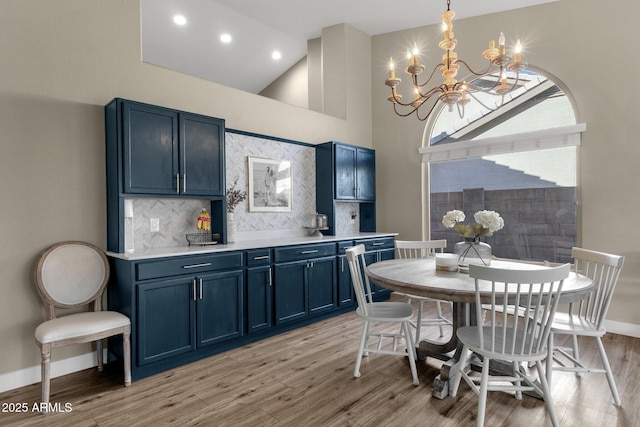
x,y
420,277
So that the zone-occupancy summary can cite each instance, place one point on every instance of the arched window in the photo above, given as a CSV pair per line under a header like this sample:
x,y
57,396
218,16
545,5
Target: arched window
x,y
516,157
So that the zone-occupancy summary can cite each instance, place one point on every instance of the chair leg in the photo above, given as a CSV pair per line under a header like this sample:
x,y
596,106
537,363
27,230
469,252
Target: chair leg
x,y
576,353
607,368
45,372
363,339
456,371
484,386
411,352
547,394
99,355
440,317
366,342
126,349
419,320
516,367
549,366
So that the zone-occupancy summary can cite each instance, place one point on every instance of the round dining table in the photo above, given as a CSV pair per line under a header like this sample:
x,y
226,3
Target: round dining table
x,y
419,276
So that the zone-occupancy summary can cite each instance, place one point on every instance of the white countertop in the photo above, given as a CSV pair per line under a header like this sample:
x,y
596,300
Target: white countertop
x,y
239,246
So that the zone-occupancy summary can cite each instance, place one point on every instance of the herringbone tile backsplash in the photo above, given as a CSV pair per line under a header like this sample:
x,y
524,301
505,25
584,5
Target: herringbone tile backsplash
x,y
178,216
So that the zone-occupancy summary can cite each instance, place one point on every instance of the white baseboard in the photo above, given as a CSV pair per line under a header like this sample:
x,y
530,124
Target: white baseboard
x,y
621,328
28,376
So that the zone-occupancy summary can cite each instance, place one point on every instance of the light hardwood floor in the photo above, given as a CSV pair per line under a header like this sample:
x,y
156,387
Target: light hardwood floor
x,y
305,378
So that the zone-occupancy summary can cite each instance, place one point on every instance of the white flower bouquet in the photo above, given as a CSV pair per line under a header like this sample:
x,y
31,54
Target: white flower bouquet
x,y
487,223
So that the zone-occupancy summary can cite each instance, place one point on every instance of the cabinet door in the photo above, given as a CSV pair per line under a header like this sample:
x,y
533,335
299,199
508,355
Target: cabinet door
x,y
345,286
219,309
366,174
321,282
201,155
345,172
150,149
258,299
290,291
166,313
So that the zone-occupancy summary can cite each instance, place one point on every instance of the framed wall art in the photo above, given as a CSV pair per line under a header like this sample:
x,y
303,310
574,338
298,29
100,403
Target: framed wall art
x,y
269,185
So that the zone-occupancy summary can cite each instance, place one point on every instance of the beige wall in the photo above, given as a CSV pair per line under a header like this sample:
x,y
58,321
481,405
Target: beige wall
x,y
583,44
61,63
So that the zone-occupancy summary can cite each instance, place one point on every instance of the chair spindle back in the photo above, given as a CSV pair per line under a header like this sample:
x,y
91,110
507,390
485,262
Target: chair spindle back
x,y
536,292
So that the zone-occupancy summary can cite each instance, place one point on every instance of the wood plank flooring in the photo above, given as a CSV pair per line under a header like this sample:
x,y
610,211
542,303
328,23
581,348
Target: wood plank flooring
x,y
305,378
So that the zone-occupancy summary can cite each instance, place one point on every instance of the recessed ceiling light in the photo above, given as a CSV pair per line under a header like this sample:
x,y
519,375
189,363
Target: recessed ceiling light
x,y
276,55
225,38
179,20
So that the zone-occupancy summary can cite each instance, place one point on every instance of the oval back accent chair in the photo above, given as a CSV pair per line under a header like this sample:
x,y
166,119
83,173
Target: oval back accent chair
x,y
73,274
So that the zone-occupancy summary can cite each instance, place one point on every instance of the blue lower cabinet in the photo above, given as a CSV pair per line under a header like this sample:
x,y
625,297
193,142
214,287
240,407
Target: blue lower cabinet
x,y
322,284
166,320
291,297
188,307
346,294
259,299
177,316
304,288
219,308
305,281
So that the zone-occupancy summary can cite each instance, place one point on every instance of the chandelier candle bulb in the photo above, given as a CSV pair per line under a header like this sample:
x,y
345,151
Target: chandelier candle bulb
x,y
416,60
392,71
516,57
410,58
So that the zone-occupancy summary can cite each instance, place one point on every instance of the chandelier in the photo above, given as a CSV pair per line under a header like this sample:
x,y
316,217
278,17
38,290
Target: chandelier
x,y
452,92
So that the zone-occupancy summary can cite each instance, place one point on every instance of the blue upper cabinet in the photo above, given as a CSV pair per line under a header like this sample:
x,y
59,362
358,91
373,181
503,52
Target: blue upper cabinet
x,y
201,155
365,174
354,173
169,152
346,174
161,152
150,149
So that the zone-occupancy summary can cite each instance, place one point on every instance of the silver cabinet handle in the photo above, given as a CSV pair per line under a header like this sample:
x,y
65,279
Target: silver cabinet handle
x,y
200,288
184,182
315,251
342,264
378,243
260,257
194,289
177,183
205,264
269,272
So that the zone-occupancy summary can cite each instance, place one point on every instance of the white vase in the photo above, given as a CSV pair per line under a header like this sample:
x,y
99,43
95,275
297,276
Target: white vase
x,y
231,228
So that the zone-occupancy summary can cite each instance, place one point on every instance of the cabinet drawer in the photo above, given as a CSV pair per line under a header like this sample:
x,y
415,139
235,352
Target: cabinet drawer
x,y
258,257
187,265
296,253
344,245
375,244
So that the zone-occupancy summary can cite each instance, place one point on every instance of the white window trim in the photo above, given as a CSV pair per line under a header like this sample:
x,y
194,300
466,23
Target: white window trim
x,y
563,136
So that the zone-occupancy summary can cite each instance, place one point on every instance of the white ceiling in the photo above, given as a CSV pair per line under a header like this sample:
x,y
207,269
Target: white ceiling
x,y
259,26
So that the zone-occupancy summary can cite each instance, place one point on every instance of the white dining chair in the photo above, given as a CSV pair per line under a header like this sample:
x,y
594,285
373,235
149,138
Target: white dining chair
x,y
379,312
508,338
586,317
424,249
70,275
